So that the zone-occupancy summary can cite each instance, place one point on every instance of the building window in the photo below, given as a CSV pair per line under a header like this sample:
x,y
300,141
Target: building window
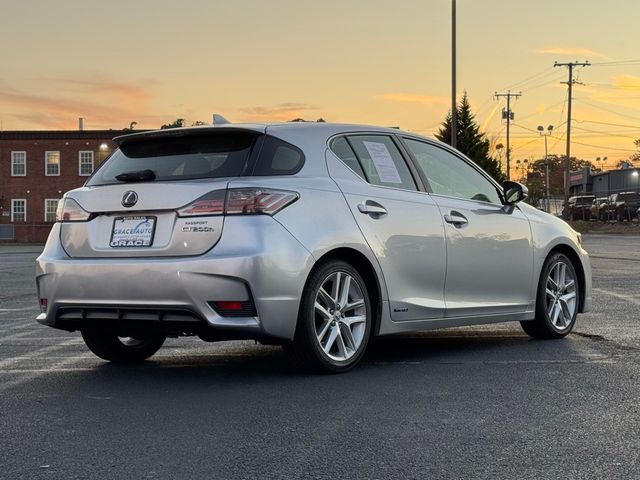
x,y
85,163
18,164
18,210
52,164
50,207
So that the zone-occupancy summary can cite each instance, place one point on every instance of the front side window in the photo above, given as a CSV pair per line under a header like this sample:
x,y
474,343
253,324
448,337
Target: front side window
x,y
85,163
18,210
52,163
50,206
450,175
381,161
18,164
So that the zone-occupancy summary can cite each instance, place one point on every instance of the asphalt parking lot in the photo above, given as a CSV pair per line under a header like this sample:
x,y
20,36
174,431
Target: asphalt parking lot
x,y
480,402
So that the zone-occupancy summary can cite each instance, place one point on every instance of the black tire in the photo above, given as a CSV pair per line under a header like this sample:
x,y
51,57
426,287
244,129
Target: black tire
x,y
305,351
543,327
108,345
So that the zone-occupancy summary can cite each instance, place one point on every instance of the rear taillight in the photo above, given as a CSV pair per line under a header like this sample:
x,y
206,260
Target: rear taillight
x,y
70,211
252,201
240,201
210,204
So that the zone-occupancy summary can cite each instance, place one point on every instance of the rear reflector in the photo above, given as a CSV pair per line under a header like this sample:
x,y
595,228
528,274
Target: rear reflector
x,y
234,309
43,305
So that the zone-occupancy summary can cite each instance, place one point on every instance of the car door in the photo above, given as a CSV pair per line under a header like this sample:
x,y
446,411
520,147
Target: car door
x,y
489,247
401,224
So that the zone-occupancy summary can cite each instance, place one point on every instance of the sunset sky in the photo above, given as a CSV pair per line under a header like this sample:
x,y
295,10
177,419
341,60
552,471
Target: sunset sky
x,y
356,61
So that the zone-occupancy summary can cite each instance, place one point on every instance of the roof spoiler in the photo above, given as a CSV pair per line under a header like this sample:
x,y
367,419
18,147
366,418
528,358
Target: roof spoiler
x,y
219,120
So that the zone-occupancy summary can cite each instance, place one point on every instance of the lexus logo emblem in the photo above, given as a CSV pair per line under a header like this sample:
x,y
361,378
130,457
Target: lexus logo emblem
x,y
129,199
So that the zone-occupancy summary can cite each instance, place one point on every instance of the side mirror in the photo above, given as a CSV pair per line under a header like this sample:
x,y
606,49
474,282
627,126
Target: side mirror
x,y
514,192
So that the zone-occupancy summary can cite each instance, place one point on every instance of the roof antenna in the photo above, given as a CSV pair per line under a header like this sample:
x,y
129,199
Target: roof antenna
x,y
219,119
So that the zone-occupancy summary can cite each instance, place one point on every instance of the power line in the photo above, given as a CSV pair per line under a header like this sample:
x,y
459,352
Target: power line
x,y
538,76
609,110
616,63
602,147
603,133
607,123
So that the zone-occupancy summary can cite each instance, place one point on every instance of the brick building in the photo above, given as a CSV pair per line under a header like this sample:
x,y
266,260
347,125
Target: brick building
x,y
36,168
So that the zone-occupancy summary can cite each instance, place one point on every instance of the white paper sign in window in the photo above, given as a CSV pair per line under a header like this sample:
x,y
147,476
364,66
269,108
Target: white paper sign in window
x,y
383,162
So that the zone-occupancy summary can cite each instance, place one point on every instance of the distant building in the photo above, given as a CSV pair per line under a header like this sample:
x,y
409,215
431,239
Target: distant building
x,y
36,168
602,184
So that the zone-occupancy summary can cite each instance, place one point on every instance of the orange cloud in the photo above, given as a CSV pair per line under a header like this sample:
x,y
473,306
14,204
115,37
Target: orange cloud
x,y
413,98
108,110
626,82
105,86
571,51
278,113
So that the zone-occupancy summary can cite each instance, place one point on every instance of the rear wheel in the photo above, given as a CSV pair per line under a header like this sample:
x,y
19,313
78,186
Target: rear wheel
x,y
334,321
109,346
557,300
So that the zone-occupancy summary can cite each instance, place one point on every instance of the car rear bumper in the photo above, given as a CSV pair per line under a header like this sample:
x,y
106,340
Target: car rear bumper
x,y
256,262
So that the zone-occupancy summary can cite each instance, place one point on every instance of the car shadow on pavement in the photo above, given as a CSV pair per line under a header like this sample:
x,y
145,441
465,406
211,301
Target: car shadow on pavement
x,y
229,363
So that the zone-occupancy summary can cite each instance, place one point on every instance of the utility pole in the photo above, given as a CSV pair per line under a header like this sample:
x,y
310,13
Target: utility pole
x,y
454,106
570,82
508,115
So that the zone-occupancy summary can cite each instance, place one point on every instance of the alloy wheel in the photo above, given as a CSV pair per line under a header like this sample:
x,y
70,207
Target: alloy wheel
x,y
340,316
561,296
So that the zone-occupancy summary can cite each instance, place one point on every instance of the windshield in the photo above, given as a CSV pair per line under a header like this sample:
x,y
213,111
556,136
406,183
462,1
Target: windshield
x,y
214,155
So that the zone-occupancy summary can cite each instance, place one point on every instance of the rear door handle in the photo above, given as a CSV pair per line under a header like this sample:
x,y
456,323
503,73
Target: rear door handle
x,y
455,218
369,207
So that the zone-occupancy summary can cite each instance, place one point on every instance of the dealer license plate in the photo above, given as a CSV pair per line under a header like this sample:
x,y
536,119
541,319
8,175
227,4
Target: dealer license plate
x,y
132,232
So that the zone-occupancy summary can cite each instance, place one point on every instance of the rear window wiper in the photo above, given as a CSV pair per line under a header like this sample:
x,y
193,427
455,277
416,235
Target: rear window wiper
x,y
138,176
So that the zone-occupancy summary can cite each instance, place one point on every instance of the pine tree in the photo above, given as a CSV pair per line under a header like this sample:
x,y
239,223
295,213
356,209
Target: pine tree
x,y
470,140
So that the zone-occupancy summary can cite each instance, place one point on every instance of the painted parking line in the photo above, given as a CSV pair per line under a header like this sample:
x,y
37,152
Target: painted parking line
x,y
628,298
41,372
39,353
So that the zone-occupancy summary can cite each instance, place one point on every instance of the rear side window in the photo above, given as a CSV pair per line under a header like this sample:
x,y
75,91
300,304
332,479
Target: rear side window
x,y
278,157
213,155
379,159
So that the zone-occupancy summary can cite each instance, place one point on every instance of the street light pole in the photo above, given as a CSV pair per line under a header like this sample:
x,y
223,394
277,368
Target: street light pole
x,y
546,162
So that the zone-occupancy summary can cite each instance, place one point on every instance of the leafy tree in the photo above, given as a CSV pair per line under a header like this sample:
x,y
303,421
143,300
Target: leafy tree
x,y
470,140
320,120
179,122
198,123
537,168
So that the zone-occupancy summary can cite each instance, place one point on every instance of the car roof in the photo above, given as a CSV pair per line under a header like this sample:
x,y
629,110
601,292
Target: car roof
x,y
319,129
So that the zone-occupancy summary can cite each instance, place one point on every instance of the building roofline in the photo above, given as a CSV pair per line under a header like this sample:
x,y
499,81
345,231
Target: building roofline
x,y
63,134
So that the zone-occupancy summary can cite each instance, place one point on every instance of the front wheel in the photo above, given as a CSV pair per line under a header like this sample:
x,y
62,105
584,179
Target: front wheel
x,y
109,346
334,321
557,300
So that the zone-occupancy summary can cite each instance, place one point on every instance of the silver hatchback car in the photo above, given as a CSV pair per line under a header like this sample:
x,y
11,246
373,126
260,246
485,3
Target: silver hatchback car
x,y
311,236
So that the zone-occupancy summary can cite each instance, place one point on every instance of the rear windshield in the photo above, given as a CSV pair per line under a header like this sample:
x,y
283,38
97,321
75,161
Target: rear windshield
x,y
214,155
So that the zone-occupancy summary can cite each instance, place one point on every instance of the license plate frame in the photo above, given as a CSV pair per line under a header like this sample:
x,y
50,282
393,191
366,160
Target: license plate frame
x,y
132,233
